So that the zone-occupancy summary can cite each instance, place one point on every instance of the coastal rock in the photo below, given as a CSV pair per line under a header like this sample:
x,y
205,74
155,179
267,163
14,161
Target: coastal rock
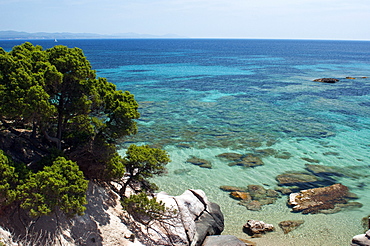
x,y
256,227
318,199
197,218
223,240
199,162
293,178
326,80
290,225
361,240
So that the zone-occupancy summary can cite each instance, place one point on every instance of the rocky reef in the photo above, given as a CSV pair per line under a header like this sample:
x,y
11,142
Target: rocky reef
x,y
253,197
328,199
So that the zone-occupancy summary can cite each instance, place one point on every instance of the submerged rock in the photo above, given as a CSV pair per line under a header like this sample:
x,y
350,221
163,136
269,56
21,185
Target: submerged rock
x,y
232,188
321,169
290,225
296,178
253,205
326,80
319,199
249,161
256,227
254,197
240,195
230,156
199,162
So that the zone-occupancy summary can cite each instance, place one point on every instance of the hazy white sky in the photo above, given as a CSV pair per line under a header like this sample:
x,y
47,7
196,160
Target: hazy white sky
x,y
321,19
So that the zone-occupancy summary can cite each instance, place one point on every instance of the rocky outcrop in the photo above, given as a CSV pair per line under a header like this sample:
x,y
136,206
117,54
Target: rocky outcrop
x,y
321,199
327,80
197,218
361,240
256,228
106,223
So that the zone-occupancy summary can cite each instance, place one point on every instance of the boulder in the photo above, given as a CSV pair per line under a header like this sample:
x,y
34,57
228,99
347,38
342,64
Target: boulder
x,y
256,227
290,225
197,218
326,80
318,199
361,240
223,240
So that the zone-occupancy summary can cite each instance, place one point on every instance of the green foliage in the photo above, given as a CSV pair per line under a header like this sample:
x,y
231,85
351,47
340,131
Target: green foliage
x,y
145,209
55,93
8,179
143,162
59,186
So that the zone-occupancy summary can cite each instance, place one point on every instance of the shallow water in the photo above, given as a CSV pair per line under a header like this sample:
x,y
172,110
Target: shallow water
x,y
206,97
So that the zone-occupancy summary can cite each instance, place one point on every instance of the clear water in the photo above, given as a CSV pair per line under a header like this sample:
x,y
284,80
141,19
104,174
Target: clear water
x,y
206,97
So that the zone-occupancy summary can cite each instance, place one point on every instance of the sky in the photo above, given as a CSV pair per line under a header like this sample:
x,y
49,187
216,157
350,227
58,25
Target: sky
x,y
286,19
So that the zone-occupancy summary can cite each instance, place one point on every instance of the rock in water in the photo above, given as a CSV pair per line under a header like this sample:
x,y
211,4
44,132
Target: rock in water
x,y
292,178
256,227
199,162
327,80
317,199
290,225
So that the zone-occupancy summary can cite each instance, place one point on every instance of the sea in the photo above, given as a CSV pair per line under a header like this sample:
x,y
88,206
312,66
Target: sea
x,y
200,98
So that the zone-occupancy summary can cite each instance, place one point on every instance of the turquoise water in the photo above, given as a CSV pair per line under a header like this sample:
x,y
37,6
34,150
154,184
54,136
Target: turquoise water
x,y
206,97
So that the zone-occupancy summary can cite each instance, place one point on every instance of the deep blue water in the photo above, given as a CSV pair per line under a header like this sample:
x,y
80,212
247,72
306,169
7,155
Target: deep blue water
x,y
203,97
